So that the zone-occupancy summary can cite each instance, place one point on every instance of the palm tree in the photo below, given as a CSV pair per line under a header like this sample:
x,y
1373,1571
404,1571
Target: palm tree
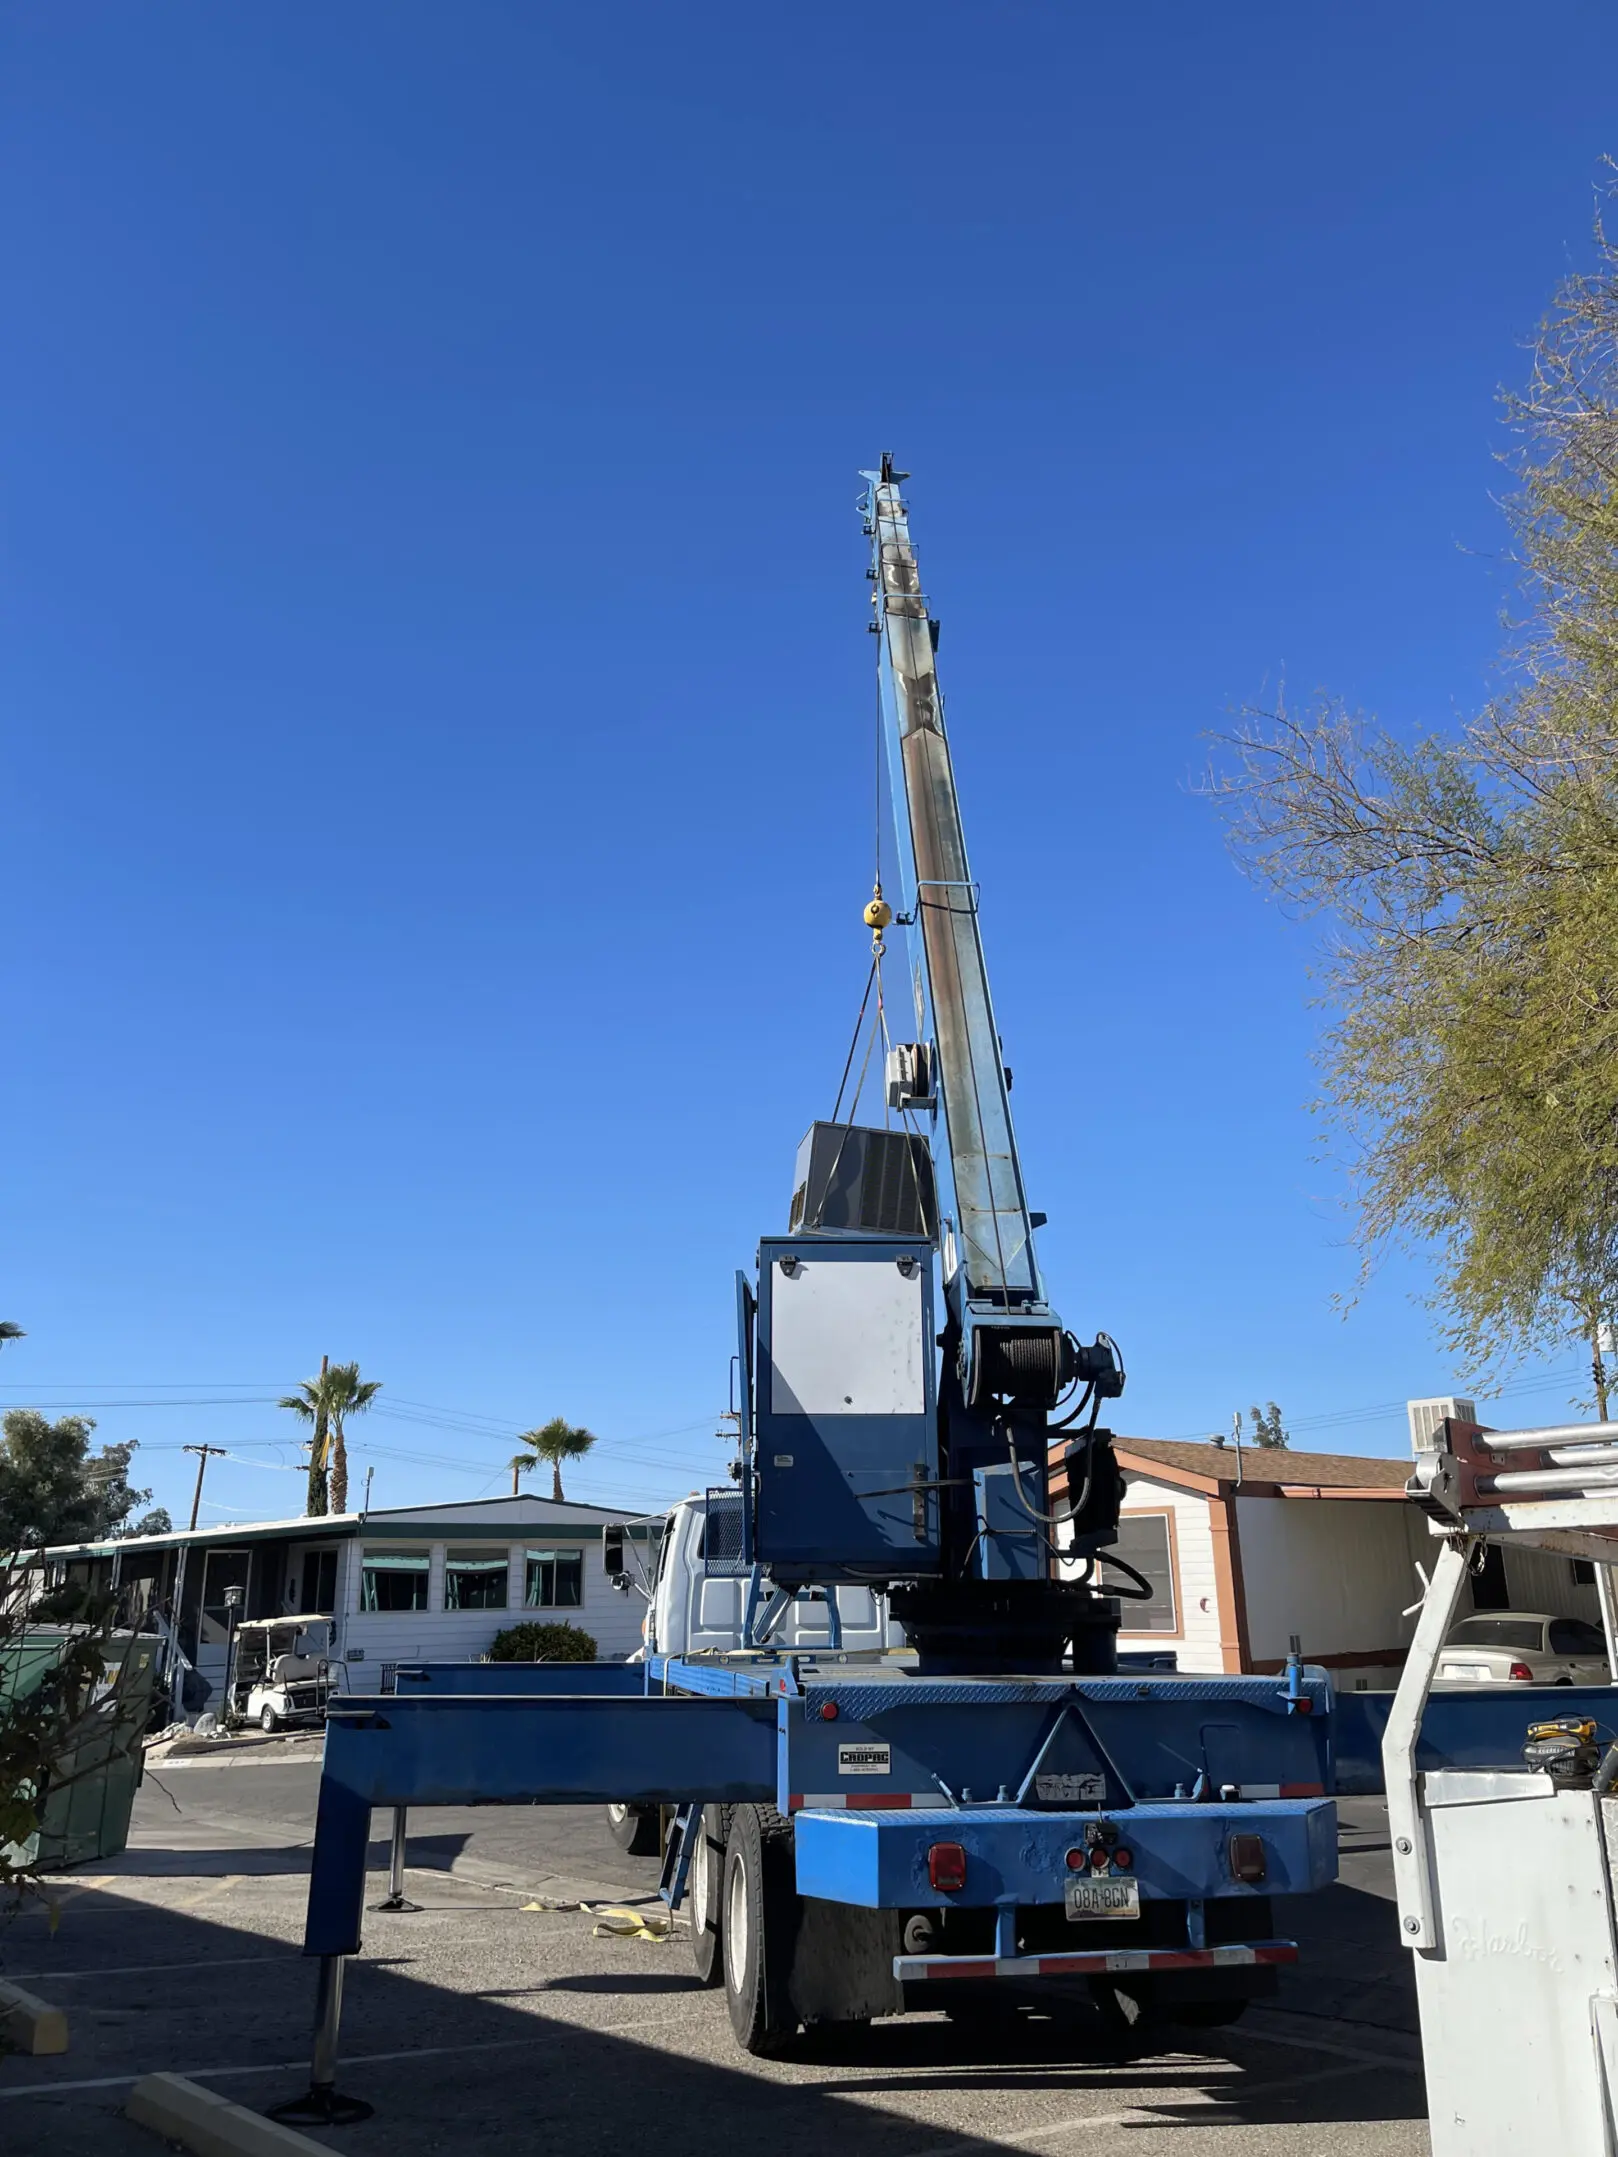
x,y
347,1395
9,1332
309,1402
339,1391
555,1441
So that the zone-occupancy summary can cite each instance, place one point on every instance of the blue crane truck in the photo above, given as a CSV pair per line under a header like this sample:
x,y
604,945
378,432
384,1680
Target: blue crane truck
x,y
998,1808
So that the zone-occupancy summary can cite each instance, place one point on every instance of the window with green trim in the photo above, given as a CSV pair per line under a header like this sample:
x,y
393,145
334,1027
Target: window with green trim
x,y
394,1579
476,1579
555,1580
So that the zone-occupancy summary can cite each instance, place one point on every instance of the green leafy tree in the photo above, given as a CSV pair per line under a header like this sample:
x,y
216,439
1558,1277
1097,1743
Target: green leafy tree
x,y
1268,1429
554,1442
53,1489
1467,888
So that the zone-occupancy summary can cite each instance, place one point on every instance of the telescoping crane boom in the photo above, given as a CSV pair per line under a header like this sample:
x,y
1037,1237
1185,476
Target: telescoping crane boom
x,y
997,1804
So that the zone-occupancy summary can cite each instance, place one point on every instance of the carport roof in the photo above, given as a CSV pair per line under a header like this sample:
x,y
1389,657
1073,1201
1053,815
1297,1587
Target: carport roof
x,y
449,1519
1261,1471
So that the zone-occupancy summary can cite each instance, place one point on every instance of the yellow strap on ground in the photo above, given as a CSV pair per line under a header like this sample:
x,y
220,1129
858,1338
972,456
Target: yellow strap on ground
x,y
615,1922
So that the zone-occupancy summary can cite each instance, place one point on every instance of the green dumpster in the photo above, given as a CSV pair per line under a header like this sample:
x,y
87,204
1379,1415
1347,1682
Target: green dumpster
x,y
87,1808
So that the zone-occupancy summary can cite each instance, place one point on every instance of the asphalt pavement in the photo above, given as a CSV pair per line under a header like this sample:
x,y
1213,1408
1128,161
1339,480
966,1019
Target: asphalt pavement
x,y
489,2020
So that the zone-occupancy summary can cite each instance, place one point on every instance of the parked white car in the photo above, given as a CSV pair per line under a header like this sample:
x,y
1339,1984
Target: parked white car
x,y
1523,1647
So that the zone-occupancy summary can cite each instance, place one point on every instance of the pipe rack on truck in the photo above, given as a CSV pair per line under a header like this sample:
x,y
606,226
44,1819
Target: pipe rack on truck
x,y
1505,1873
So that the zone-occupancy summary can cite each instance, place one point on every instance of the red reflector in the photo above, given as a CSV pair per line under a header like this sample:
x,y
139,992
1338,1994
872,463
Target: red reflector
x,y
828,1711
946,1867
1098,1859
1522,1673
1123,1858
1076,1861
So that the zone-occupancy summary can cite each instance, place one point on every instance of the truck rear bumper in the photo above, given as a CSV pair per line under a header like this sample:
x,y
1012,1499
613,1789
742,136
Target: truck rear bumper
x,y
1181,1852
917,1969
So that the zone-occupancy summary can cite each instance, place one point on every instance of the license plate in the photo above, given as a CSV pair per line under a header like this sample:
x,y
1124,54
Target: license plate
x,y
1103,1898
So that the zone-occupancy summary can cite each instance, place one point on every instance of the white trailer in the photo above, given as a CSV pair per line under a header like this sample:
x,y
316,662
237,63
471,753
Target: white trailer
x,y
1507,1878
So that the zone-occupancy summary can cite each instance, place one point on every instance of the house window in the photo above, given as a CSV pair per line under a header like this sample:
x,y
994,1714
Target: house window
x,y
555,1580
1584,1573
1145,1542
394,1580
476,1579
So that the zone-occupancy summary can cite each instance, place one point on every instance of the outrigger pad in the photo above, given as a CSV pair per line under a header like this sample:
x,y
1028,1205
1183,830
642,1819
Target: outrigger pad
x,y
321,2108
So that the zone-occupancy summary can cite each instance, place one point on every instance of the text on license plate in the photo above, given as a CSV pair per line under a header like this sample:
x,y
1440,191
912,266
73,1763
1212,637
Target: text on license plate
x,y
1103,1898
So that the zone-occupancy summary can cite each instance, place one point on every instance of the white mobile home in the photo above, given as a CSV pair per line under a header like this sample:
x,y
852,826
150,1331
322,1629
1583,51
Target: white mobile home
x,y
407,1584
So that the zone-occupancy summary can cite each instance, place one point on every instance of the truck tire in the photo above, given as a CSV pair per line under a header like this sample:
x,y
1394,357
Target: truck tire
x,y
704,1893
635,1828
758,1929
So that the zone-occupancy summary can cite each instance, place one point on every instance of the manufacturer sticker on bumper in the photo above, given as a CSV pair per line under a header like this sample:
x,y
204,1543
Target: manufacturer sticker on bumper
x,y
865,1759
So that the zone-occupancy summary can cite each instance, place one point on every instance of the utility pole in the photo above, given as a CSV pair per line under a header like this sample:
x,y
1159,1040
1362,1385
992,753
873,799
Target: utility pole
x,y
176,1671
204,1453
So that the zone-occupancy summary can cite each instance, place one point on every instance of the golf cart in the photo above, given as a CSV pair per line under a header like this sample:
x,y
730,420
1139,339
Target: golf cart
x,y
282,1671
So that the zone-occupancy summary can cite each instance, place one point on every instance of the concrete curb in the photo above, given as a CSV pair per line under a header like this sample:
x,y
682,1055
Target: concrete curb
x,y
211,2125
29,2024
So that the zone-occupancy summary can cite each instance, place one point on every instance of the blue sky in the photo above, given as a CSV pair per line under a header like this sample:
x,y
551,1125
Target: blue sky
x,y
437,700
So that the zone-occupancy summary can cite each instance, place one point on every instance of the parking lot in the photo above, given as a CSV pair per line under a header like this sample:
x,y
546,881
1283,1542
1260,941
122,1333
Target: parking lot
x,y
487,2020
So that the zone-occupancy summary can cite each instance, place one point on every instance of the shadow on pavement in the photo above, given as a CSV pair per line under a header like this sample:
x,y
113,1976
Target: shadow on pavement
x,y
1351,1963
451,2069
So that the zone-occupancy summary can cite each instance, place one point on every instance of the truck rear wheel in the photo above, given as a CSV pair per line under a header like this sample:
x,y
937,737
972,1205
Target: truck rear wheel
x,y
634,1828
759,1924
704,1893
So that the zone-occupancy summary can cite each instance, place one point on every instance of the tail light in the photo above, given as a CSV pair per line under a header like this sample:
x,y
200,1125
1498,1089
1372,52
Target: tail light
x,y
946,1867
1122,1859
1522,1674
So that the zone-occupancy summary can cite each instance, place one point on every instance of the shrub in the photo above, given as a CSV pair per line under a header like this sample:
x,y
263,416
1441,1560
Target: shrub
x,y
533,1643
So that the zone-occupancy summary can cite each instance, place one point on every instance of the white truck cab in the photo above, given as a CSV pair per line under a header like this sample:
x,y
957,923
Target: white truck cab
x,y
691,1612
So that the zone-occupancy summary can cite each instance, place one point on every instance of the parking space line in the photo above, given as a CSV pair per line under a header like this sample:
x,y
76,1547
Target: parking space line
x,y
150,1969
1307,2041
1141,2115
356,2059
